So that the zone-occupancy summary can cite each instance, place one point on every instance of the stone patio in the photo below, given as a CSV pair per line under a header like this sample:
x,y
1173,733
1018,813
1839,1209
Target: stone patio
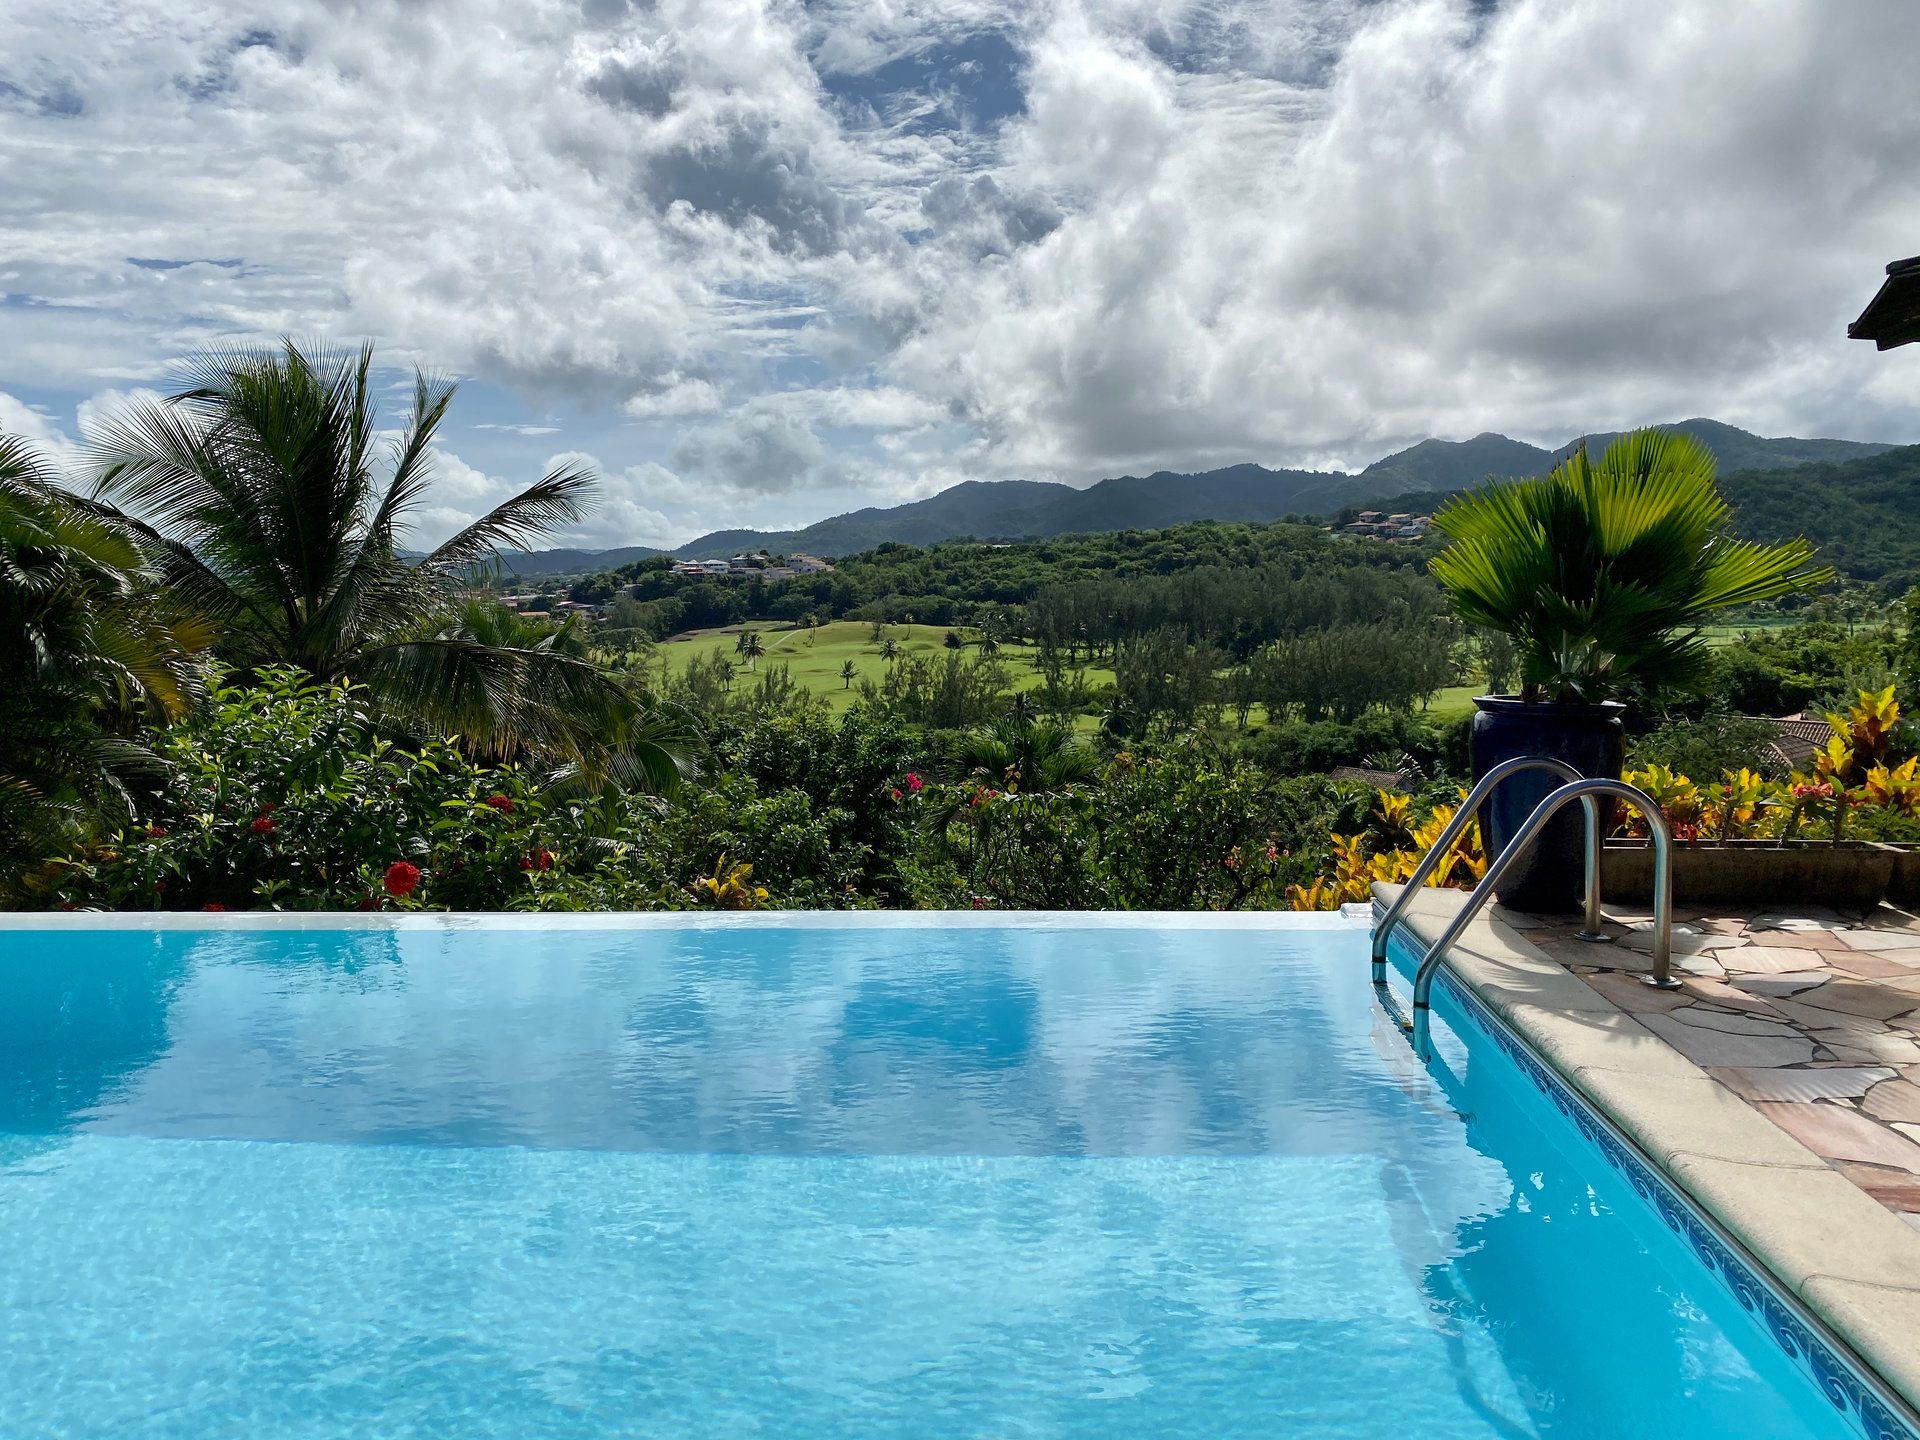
x,y
1810,1015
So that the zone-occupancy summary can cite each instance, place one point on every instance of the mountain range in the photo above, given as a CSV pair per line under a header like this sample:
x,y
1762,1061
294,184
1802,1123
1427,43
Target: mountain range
x,y
1033,509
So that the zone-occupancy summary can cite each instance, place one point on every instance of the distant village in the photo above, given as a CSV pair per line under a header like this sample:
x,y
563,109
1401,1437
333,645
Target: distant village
x,y
761,566
1378,525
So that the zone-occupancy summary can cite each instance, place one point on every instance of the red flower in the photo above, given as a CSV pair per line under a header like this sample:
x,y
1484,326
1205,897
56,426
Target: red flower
x,y
213,905
403,878
915,783
537,860
502,803
894,793
263,825
156,832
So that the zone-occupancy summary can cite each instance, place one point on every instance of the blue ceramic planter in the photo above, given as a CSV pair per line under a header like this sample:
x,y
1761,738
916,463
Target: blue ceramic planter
x,y
1588,737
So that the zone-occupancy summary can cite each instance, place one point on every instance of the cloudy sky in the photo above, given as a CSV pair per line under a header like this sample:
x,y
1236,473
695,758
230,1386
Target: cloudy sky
x,y
764,262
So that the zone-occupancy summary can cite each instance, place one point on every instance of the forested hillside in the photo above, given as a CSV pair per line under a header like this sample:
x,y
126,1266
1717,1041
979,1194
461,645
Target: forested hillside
x,y
1864,514
1023,509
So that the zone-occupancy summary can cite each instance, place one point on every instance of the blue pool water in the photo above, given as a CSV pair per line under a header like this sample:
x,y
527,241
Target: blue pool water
x,y
810,1182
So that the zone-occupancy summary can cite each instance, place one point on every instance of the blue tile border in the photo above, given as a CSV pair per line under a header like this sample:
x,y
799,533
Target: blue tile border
x,y
1867,1404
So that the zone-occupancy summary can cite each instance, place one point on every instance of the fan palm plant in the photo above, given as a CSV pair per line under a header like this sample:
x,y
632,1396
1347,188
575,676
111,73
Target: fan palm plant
x,y
1026,754
269,510
1019,754
88,649
1603,572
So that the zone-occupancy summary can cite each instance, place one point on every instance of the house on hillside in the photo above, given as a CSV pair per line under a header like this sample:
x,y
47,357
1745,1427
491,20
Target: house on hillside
x,y
807,564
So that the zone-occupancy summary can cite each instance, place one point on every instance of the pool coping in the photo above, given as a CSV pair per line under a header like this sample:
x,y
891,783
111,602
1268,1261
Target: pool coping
x,y
1848,1270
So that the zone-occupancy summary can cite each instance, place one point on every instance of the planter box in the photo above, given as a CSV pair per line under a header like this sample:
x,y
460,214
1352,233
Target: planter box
x,y
1763,873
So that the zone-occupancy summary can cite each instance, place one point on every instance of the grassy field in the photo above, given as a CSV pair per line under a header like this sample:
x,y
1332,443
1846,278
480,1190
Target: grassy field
x,y
816,659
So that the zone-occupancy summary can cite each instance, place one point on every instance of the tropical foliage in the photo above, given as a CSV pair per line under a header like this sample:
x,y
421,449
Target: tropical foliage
x,y
1864,783
1603,572
275,511
90,649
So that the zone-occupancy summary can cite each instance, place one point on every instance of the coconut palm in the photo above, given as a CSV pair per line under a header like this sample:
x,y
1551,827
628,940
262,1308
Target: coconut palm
x,y
750,646
89,649
274,509
1603,572
848,672
645,743
889,648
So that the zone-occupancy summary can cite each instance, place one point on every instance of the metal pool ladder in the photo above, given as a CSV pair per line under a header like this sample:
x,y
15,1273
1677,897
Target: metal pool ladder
x,y
1577,788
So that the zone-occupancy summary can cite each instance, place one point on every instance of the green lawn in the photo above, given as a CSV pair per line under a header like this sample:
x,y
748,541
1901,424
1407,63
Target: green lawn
x,y
1454,701
815,659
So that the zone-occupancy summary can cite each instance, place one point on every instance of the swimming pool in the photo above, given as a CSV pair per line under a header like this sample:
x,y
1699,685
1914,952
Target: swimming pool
x,y
1104,1176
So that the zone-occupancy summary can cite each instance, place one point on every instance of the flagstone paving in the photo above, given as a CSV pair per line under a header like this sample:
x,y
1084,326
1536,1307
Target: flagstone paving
x,y
1812,1016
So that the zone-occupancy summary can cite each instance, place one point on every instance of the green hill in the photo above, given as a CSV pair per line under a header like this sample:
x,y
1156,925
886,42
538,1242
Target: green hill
x,y
1037,509
1863,514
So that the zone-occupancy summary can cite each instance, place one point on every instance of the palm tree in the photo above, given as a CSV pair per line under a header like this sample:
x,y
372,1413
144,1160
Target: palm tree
x,y
848,672
989,644
1027,754
264,497
1603,572
1019,754
889,648
89,649
648,744
751,646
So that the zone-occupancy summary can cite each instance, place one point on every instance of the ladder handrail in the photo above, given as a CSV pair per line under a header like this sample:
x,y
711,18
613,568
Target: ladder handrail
x,y
1476,900
1462,818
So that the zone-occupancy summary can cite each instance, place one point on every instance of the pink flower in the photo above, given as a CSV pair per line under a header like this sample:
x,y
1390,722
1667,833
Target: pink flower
x,y
915,783
502,803
895,794
403,878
